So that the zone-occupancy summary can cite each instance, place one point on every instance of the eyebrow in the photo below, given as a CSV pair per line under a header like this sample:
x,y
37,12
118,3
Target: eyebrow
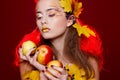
x,y
48,10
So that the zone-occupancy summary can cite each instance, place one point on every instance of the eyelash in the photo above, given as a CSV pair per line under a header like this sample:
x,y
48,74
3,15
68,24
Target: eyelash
x,y
52,15
39,18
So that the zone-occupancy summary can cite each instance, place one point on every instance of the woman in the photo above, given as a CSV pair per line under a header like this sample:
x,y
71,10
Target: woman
x,y
75,45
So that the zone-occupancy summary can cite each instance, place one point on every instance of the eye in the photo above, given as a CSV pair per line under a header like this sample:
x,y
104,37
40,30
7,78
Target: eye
x,y
39,17
51,15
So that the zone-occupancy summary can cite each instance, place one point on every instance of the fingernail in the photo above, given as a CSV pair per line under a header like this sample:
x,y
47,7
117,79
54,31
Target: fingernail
x,y
52,66
67,69
34,47
46,67
43,71
69,75
37,50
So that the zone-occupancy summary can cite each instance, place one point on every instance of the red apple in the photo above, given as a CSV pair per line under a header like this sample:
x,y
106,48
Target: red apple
x,y
45,54
27,45
55,63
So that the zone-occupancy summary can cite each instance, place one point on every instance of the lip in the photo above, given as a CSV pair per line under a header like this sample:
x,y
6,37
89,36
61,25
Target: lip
x,y
45,29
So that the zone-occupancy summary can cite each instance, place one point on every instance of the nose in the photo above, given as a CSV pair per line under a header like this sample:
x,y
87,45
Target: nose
x,y
44,21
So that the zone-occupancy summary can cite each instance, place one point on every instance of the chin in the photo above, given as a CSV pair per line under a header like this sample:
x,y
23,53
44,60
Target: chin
x,y
45,36
51,36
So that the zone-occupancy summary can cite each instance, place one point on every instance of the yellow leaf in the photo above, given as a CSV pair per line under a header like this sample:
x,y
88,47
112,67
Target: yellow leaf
x,y
66,4
83,30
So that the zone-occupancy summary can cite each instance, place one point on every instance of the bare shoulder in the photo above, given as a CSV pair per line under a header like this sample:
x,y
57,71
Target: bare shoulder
x,y
94,63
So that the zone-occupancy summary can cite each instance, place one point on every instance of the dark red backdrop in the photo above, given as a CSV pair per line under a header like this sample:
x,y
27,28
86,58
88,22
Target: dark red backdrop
x,y
17,19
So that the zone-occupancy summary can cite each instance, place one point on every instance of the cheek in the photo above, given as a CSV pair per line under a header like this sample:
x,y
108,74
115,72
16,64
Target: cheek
x,y
38,24
58,27
58,22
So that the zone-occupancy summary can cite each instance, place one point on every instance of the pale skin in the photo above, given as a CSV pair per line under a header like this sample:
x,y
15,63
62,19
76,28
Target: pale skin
x,y
47,10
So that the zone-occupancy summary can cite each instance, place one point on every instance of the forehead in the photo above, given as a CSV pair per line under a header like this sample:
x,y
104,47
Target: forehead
x,y
46,4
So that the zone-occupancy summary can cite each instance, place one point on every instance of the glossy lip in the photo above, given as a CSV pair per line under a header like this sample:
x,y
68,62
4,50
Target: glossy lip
x,y
45,29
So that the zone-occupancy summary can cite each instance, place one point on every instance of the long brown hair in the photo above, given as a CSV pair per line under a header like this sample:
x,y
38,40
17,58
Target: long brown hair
x,y
73,52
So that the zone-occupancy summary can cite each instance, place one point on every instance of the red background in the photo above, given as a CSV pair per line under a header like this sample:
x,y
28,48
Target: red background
x,y
17,19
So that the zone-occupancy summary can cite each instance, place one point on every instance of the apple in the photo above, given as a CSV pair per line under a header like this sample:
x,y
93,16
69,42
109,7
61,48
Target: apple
x,y
27,45
55,63
45,54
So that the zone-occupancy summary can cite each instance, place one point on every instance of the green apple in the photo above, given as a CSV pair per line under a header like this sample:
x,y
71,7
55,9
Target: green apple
x,y
27,45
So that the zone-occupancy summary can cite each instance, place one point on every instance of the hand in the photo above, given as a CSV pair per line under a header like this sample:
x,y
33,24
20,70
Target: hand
x,y
56,73
31,59
21,54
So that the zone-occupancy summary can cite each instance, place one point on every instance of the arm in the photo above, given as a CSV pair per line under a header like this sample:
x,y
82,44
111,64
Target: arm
x,y
28,63
95,65
24,67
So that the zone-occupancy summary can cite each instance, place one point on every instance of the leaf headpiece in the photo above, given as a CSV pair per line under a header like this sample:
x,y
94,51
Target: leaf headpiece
x,y
75,7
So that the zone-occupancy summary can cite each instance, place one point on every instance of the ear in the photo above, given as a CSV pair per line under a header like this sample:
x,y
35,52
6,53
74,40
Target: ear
x,y
71,20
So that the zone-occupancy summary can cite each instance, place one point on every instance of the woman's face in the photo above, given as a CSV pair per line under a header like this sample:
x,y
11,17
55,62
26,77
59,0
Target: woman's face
x,y
51,19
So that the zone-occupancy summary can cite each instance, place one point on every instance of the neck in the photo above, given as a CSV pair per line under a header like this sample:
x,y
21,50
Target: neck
x,y
58,43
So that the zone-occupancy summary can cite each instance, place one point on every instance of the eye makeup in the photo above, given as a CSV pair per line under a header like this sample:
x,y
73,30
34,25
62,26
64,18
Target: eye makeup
x,y
51,12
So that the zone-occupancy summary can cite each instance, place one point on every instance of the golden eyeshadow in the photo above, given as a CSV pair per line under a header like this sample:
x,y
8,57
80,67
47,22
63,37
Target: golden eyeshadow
x,y
54,12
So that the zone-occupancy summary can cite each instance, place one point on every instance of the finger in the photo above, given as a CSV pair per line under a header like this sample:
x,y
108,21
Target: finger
x,y
54,72
29,52
61,70
29,58
21,54
42,76
50,76
20,51
40,66
36,54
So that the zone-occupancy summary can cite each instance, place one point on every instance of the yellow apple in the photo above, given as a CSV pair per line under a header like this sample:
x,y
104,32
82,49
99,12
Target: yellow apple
x,y
45,54
55,63
27,45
